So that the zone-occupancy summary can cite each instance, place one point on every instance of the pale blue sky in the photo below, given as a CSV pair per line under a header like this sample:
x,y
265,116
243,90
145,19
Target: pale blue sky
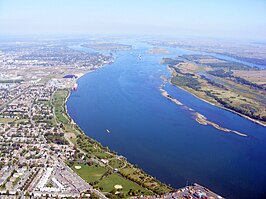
x,y
222,18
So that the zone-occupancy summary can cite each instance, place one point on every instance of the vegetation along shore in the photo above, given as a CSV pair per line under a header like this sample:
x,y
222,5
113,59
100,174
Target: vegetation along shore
x,y
215,81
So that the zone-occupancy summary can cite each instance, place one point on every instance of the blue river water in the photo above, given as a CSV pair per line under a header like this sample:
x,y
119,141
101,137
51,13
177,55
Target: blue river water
x,y
161,137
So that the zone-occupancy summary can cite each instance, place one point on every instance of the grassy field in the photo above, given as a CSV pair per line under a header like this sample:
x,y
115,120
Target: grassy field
x,y
59,106
94,175
6,120
12,120
132,173
139,176
72,137
101,154
109,182
258,77
90,173
58,102
115,163
220,87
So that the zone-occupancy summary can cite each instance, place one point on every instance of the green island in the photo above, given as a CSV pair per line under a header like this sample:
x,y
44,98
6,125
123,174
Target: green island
x,y
96,164
222,83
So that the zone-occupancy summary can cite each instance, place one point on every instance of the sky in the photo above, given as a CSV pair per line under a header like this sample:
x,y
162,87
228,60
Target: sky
x,y
202,18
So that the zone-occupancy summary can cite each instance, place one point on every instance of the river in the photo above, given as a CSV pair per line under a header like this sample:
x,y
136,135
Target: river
x,y
161,137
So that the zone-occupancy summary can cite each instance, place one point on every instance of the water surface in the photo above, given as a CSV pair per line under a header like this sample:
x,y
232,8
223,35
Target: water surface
x,y
161,137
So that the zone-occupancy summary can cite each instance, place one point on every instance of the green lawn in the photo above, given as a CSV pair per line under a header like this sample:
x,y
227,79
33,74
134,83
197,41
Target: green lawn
x,y
59,106
89,173
109,182
72,137
101,154
12,120
6,120
115,163
138,176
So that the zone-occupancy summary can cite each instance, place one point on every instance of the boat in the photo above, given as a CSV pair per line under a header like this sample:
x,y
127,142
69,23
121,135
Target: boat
x,y
139,57
108,131
75,87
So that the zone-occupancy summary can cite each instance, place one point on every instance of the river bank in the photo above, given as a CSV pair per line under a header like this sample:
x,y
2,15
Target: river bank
x,y
173,72
201,119
163,138
244,116
128,173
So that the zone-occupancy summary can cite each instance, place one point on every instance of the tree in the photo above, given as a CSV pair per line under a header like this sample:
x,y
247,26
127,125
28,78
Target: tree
x,y
94,195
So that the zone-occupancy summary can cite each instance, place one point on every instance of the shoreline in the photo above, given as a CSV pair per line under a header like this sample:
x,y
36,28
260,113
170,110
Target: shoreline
x,y
242,115
201,119
162,184
69,93
197,115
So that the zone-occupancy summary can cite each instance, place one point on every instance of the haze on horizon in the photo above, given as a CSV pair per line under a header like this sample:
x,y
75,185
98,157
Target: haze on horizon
x,y
238,19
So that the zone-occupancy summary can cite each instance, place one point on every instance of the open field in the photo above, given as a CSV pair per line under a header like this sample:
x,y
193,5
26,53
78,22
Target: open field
x,y
188,67
12,120
72,137
59,106
218,84
90,173
99,177
6,120
258,77
61,116
116,163
133,173
109,182
139,176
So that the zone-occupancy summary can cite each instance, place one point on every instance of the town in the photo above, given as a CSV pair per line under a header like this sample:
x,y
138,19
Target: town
x,y
32,162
